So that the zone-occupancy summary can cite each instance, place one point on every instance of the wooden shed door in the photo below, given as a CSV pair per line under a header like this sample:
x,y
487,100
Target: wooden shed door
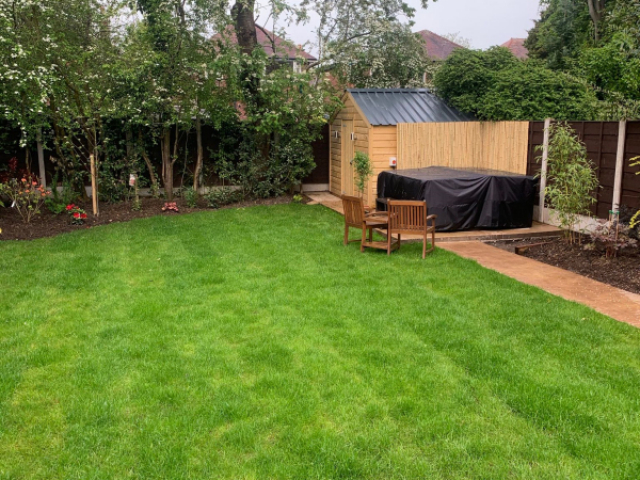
x,y
347,157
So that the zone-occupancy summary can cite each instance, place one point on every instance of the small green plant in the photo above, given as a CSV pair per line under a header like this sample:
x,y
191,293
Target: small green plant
x,y
59,199
363,170
154,190
4,189
219,197
190,197
297,198
571,179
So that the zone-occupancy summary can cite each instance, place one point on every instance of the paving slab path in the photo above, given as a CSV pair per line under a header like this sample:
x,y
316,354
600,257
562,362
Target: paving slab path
x,y
614,302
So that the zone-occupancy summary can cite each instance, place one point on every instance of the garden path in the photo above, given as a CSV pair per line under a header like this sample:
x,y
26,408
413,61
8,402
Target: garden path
x,y
616,303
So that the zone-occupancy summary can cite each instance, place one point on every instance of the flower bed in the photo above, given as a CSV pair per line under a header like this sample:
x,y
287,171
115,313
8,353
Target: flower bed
x,y
622,271
49,225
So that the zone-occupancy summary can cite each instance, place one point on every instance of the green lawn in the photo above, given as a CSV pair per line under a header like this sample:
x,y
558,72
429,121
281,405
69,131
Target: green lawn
x,y
251,344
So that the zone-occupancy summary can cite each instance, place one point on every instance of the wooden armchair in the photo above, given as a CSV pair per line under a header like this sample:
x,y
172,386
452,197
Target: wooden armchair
x,y
356,216
410,217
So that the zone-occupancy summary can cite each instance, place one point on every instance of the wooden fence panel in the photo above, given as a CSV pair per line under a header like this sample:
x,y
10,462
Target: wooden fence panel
x,y
630,181
484,145
601,140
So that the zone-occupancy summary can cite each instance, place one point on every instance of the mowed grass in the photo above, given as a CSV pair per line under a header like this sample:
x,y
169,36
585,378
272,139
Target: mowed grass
x,y
251,344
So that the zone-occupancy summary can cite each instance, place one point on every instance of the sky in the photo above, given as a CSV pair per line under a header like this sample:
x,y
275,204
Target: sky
x,y
484,22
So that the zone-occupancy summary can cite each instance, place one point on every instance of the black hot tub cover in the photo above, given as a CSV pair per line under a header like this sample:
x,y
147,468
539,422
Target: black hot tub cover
x,y
464,199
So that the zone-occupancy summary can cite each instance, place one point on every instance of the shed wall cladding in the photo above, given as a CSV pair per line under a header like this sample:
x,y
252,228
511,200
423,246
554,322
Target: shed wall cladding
x,y
601,140
383,145
361,143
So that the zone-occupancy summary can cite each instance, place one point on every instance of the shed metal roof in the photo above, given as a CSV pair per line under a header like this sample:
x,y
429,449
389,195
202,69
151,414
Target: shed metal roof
x,y
403,105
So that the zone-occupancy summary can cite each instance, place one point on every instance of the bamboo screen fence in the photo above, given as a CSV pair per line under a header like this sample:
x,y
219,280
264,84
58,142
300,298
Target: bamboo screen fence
x,y
486,145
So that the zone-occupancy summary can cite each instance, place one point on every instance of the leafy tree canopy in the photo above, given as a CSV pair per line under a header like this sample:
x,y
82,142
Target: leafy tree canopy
x,y
594,40
494,85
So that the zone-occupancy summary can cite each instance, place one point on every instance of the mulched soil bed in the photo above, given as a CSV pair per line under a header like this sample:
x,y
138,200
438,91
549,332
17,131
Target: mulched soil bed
x,y
49,225
622,271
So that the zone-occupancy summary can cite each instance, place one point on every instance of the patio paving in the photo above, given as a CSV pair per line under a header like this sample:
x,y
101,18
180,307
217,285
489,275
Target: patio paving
x,y
616,303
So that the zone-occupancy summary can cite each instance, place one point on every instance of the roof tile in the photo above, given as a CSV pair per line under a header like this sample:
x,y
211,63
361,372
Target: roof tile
x,y
438,48
516,45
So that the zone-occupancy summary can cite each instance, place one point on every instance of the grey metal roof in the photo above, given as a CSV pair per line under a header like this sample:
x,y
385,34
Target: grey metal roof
x,y
403,105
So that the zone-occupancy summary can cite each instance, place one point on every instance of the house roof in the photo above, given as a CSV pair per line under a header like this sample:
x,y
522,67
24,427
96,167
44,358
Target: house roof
x,y
438,48
284,48
404,105
516,45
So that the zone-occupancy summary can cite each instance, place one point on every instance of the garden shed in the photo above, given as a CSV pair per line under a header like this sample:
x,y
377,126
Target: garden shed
x,y
368,123
415,129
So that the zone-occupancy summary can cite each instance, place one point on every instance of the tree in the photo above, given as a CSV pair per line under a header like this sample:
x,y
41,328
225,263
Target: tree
x,y
596,11
558,36
494,85
56,54
395,58
112,77
179,66
456,37
355,38
571,179
594,40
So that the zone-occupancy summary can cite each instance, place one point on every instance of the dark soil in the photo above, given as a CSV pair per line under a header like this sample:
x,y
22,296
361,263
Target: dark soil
x,y
49,225
622,271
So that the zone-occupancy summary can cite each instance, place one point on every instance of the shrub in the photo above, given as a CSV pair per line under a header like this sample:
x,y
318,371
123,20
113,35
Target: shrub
x,y
263,175
220,197
58,200
494,85
571,179
27,196
612,236
191,197
4,189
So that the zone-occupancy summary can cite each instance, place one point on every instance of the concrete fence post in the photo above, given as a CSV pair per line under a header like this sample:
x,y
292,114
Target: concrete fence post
x,y
543,169
617,183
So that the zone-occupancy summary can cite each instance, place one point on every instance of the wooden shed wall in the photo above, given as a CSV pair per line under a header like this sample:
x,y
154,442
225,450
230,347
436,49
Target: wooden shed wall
x,y
487,145
361,131
383,145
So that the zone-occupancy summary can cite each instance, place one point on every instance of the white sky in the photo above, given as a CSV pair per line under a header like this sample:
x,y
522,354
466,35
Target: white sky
x,y
484,22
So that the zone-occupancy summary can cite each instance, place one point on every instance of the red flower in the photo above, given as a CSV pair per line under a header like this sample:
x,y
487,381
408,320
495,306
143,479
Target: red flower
x,y
70,207
34,183
76,215
83,216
